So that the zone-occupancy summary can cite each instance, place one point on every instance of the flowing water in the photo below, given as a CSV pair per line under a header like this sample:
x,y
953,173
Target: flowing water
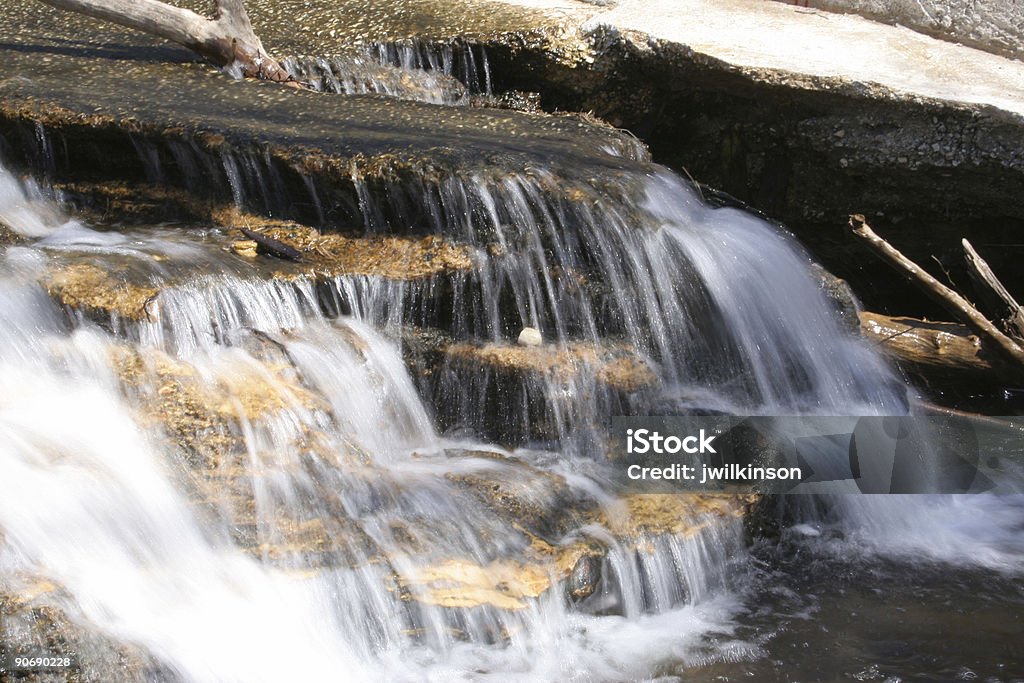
x,y
252,480
439,73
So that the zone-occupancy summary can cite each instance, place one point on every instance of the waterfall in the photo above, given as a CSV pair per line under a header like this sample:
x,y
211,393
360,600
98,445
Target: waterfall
x,y
321,482
245,481
22,207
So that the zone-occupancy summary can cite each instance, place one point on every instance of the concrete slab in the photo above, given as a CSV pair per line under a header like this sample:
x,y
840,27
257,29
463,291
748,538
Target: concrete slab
x,y
755,34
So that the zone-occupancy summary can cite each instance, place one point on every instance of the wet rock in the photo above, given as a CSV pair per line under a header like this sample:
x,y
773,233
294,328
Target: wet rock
x,y
246,248
584,579
111,288
459,583
514,99
200,413
333,254
510,584
576,567
112,129
841,296
803,147
8,235
39,617
558,386
610,365
643,515
313,544
763,517
91,289
423,350
540,502
132,203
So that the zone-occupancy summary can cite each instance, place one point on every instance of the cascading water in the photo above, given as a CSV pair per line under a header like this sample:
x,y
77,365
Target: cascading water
x,y
247,483
360,75
462,61
330,498
442,73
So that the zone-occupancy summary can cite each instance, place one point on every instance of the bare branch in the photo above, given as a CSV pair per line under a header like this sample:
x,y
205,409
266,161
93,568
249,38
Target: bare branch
x,y
959,307
177,24
994,294
227,40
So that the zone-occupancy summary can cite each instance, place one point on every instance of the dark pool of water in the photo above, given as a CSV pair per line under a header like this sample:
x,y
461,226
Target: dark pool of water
x,y
823,618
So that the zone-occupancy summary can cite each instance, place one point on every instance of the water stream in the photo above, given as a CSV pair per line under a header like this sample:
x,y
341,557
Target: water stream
x,y
250,483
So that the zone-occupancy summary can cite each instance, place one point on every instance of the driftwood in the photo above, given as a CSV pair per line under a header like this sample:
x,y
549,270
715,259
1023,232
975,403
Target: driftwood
x,y
272,247
227,40
994,295
990,335
932,350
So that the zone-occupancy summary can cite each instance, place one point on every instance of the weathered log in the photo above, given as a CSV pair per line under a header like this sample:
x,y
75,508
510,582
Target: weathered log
x,y
227,40
1005,309
272,247
924,345
957,306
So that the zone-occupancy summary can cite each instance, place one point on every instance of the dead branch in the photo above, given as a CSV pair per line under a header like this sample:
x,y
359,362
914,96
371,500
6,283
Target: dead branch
x,y
991,291
226,40
272,247
957,306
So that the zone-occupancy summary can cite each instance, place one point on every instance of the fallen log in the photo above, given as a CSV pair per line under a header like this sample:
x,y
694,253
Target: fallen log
x,y
1004,307
926,346
958,307
227,40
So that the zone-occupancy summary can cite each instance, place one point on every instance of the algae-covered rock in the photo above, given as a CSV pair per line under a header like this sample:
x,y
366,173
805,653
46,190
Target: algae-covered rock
x,y
644,515
611,365
87,287
575,566
508,584
200,411
395,258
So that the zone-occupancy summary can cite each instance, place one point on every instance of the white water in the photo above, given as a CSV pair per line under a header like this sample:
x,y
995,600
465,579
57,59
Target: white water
x,y
98,501
23,207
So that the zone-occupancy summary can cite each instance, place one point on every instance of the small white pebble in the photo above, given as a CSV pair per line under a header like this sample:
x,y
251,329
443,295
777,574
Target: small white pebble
x,y
530,336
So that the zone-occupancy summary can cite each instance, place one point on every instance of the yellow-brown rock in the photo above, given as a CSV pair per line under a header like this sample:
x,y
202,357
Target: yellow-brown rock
x,y
88,287
613,366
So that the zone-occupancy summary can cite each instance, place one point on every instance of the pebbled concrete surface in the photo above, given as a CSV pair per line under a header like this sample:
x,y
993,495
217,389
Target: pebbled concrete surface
x,y
993,25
